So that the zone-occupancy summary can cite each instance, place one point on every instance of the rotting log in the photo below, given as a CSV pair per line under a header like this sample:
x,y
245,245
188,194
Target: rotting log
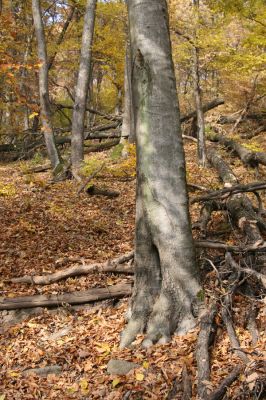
x,y
114,266
206,107
248,157
96,191
90,148
238,205
53,300
231,119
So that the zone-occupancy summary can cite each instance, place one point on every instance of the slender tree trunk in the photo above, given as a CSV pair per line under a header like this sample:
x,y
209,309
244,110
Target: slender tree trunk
x,y
197,95
166,275
127,130
46,116
81,95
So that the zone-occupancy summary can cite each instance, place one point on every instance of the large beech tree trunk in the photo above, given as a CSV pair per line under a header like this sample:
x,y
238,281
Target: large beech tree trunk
x,y
166,275
46,116
81,95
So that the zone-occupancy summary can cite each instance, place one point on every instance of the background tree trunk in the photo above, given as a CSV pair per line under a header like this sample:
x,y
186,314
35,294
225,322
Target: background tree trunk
x,y
43,87
197,95
81,95
166,276
127,133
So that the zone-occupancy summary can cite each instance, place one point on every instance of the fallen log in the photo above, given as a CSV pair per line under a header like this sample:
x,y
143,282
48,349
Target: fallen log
x,y
114,266
206,107
231,119
247,156
92,111
91,148
96,191
53,300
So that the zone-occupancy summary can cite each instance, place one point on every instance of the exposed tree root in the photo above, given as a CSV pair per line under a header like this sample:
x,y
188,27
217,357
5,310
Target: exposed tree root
x,y
76,270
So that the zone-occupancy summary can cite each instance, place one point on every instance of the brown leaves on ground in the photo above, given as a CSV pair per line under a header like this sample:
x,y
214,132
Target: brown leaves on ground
x,y
46,227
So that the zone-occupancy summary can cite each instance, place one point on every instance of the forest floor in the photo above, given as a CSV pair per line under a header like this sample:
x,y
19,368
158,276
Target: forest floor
x,y
46,227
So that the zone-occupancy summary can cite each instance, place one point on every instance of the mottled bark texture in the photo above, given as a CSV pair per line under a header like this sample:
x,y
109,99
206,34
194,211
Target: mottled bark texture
x,y
46,116
166,277
82,88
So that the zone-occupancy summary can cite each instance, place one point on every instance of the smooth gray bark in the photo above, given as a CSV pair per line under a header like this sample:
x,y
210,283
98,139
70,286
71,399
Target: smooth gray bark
x,y
166,275
82,88
47,127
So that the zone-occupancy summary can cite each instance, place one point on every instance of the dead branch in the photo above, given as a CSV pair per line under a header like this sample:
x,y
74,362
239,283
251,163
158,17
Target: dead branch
x,y
87,296
251,325
209,244
202,351
84,184
228,191
187,384
77,270
219,393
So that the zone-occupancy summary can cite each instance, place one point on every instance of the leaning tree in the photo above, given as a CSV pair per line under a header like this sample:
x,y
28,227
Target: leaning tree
x,y
166,291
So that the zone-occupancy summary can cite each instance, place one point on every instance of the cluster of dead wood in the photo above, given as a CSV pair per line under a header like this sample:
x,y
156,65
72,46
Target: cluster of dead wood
x,y
27,143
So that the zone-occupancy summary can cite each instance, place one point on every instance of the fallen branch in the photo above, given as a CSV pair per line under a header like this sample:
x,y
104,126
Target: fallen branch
x,y
251,187
76,270
219,393
84,184
202,351
187,384
87,296
223,246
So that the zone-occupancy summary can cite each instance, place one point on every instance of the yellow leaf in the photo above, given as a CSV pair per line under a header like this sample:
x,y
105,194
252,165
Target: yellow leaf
x,y
2,396
31,325
115,382
139,377
83,384
145,364
13,374
103,348
34,114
